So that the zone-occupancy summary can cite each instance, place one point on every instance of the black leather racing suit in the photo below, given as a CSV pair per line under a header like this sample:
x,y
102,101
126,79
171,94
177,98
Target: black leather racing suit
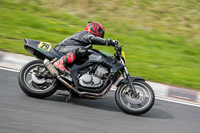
x,y
78,40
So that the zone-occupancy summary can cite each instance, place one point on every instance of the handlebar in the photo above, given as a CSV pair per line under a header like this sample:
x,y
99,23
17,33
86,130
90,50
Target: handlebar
x,y
116,43
117,46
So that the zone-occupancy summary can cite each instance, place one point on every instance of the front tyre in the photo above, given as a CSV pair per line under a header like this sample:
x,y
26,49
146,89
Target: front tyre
x,y
35,80
131,105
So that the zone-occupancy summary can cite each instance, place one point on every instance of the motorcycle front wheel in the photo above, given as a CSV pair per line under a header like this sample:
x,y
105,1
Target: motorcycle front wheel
x,y
135,105
34,82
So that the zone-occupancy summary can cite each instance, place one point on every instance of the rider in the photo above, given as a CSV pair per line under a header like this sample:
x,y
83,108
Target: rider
x,y
74,46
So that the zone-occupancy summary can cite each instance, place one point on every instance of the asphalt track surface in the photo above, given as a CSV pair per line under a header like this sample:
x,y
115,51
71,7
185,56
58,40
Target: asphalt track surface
x,y
22,114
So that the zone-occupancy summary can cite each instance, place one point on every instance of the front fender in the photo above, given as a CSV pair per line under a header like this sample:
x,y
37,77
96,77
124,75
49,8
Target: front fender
x,y
133,78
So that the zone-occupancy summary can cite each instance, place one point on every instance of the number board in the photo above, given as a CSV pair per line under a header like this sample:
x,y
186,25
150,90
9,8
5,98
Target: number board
x,y
123,55
44,46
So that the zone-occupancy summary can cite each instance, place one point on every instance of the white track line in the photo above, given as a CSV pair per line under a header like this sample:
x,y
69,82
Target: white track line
x,y
159,98
180,102
8,69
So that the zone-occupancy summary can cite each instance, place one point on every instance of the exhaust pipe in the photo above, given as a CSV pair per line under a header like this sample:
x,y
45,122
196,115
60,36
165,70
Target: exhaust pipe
x,y
51,68
55,73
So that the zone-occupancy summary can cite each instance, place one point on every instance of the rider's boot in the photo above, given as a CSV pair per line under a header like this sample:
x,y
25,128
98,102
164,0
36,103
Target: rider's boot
x,y
61,63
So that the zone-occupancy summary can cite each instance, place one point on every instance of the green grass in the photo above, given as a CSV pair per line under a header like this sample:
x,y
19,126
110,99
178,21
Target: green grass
x,y
160,38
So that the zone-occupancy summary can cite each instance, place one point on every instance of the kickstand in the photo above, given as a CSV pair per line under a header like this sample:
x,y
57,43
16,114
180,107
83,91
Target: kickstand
x,y
68,96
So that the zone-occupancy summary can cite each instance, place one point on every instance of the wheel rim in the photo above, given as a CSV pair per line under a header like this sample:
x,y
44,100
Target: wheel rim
x,y
33,86
136,104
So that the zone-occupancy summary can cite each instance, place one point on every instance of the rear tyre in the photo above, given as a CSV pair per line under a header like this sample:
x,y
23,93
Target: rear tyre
x,y
131,105
33,84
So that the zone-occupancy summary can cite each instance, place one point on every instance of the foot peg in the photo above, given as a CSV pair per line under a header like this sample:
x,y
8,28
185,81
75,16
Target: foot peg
x,y
67,95
66,73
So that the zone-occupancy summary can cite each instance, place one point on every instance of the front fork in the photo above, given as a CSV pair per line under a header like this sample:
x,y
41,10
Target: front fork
x,y
127,75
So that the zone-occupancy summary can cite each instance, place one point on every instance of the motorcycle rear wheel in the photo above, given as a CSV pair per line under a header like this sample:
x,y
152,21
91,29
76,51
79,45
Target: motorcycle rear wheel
x,y
131,105
41,87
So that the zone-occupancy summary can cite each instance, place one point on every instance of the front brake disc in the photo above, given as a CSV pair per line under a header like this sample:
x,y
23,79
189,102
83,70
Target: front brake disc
x,y
137,100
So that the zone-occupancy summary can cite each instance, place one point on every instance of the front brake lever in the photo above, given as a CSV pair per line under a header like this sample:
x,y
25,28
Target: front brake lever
x,y
116,48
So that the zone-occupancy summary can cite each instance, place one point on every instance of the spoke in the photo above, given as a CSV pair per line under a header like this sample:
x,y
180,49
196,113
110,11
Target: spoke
x,y
43,87
29,73
30,81
47,84
49,81
128,104
139,105
36,86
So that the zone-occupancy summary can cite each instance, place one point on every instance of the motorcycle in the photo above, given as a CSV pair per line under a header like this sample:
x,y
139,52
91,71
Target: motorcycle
x,y
90,77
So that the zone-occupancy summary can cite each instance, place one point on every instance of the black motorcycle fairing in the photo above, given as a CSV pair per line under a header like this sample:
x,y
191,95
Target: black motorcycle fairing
x,y
95,58
108,60
32,47
133,78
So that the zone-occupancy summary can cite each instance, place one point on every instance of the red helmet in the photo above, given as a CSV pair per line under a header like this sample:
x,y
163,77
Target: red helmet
x,y
95,28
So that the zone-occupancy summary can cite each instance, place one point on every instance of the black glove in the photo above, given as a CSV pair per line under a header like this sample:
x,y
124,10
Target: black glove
x,y
116,43
109,42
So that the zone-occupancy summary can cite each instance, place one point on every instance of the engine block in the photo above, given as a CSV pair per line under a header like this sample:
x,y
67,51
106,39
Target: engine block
x,y
100,71
88,80
94,79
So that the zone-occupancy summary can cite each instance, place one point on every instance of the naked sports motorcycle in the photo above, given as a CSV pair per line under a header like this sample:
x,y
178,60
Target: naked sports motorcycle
x,y
90,77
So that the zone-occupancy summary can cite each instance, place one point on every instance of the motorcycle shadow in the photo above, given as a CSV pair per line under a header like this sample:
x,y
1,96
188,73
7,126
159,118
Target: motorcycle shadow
x,y
157,112
109,104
